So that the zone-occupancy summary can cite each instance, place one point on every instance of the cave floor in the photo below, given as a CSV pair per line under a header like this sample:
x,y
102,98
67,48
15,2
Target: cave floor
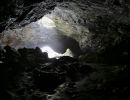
x,y
27,74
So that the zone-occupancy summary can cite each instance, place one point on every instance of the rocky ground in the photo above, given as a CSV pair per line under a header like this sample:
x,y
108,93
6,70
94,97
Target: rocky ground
x,y
28,74
100,27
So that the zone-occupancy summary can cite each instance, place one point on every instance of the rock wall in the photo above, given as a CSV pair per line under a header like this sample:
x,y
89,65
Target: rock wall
x,y
99,26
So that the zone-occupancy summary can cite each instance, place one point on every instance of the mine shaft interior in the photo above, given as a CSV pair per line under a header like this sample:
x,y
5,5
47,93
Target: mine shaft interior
x,y
64,49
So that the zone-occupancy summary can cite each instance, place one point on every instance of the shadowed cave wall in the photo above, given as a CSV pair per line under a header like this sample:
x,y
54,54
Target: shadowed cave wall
x,y
96,31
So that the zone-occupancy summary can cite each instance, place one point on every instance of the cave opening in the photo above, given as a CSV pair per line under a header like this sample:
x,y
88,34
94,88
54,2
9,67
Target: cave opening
x,y
43,33
64,49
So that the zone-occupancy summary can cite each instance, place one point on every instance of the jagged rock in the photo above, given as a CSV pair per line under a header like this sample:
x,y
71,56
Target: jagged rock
x,y
61,78
11,55
100,28
48,81
67,59
96,25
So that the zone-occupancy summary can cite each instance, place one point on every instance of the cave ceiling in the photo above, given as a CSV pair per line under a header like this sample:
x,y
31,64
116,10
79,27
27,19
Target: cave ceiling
x,y
93,23
15,13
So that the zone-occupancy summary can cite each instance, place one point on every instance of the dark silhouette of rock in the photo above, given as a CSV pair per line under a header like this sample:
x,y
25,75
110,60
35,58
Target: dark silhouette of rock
x,y
99,27
67,59
29,73
48,81
11,55
86,69
1,54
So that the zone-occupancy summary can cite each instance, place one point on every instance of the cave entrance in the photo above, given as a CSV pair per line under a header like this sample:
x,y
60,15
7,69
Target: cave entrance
x,y
54,54
45,34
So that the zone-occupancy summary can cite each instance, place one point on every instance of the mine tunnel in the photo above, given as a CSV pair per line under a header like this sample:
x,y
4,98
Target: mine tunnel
x,y
64,49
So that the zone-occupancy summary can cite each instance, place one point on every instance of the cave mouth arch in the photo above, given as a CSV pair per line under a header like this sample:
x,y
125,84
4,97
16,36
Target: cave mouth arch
x,y
41,33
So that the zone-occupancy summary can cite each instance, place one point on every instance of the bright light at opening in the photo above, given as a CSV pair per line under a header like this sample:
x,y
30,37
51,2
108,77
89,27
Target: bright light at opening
x,y
53,54
46,22
50,51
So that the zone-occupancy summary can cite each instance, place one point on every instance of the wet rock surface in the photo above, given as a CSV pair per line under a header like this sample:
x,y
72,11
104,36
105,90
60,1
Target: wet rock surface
x,y
28,74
